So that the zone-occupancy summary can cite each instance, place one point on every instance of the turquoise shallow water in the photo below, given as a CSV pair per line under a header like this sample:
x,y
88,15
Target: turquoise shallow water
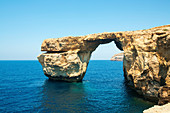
x,y
24,88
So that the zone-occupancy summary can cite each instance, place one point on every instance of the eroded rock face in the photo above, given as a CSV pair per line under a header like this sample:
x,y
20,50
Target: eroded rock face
x,y
146,59
66,66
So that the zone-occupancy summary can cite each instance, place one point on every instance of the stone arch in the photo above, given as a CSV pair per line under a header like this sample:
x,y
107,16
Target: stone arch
x,y
146,58
67,58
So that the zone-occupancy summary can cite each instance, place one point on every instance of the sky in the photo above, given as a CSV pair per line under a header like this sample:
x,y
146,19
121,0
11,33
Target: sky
x,y
24,24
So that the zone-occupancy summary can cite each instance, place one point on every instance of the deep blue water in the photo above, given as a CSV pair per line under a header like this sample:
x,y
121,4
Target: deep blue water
x,y
24,88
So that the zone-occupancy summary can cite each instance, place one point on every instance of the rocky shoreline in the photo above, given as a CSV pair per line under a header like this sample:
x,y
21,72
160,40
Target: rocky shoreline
x,y
146,62
158,109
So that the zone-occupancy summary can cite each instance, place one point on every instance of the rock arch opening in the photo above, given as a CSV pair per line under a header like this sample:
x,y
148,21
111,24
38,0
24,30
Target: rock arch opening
x,y
105,51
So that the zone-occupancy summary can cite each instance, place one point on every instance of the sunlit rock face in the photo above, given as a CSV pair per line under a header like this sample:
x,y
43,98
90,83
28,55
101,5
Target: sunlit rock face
x,y
146,60
66,66
158,109
67,58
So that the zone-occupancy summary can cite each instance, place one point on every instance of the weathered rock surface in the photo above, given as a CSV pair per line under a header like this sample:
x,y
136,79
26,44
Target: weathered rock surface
x,y
117,57
146,59
158,109
65,66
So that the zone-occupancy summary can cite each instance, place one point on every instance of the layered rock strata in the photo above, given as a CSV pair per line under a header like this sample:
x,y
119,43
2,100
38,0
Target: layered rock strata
x,y
146,60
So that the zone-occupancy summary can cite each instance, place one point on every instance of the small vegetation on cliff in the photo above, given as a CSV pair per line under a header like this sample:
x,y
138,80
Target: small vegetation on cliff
x,y
165,29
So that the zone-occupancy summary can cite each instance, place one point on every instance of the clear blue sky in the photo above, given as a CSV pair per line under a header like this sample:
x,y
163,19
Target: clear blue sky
x,y
24,24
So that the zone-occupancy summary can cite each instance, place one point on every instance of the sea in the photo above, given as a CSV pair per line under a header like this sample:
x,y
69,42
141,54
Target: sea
x,y
25,89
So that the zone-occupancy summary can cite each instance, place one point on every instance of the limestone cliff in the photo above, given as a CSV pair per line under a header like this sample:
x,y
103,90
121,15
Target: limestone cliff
x,y
117,57
146,59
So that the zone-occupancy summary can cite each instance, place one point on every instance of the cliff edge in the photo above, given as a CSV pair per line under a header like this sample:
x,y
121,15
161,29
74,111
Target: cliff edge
x,y
117,57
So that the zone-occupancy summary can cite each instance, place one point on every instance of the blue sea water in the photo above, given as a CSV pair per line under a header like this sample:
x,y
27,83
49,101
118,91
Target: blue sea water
x,y
24,88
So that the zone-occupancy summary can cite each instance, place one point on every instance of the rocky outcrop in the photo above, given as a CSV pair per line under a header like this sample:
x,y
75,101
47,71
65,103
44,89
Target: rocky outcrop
x,y
146,60
158,109
117,57
67,58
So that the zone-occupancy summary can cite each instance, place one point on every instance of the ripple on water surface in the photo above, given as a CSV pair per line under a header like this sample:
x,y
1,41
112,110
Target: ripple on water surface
x,y
24,88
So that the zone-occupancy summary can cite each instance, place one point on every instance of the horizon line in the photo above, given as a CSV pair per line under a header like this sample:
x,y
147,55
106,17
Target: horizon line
x,y
28,60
